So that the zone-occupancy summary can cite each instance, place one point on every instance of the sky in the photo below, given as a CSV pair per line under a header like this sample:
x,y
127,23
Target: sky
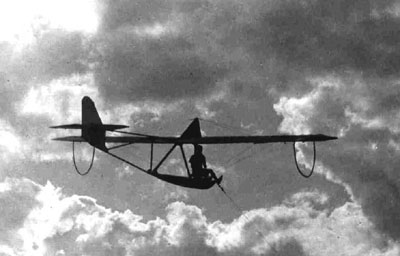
x,y
249,67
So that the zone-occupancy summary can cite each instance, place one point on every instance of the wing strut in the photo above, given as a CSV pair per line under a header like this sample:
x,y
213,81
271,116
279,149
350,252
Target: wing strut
x,y
297,165
126,161
76,167
163,159
185,160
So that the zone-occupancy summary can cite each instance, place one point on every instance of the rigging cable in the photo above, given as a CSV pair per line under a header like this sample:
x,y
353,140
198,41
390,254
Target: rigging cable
x,y
236,157
240,210
297,165
246,156
240,156
76,167
135,133
225,126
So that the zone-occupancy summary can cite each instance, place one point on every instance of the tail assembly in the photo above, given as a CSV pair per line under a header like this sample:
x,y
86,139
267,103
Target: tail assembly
x,y
93,130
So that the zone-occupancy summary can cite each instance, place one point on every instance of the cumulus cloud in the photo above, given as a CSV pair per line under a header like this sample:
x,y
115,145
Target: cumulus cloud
x,y
41,220
10,143
354,111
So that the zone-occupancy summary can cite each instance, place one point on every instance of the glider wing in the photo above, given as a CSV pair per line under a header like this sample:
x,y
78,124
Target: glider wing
x,y
219,139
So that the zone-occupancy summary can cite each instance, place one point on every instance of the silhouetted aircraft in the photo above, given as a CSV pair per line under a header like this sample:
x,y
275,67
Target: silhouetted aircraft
x,y
94,133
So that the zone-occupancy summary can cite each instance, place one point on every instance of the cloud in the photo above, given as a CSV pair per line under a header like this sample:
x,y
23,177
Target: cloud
x,y
166,51
332,36
163,69
18,26
42,220
10,143
354,111
59,102
161,51
54,54
42,43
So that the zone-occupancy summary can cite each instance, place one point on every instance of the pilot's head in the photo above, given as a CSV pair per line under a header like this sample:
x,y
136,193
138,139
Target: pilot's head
x,y
198,148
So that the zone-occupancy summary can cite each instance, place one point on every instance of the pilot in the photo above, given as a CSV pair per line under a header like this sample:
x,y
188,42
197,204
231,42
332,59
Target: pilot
x,y
199,166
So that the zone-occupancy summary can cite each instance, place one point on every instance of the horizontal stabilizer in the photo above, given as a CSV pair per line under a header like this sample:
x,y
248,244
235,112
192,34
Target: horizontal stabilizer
x,y
67,126
70,138
106,127
113,127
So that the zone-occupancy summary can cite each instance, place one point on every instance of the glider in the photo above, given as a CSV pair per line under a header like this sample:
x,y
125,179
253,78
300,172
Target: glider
x,y
93,131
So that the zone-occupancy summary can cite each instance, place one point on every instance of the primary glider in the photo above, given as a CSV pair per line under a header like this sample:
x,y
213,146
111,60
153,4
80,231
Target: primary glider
x,y
93,131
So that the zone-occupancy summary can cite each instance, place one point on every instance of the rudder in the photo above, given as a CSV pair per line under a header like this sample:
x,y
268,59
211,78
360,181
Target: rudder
x,y
92,127
89,112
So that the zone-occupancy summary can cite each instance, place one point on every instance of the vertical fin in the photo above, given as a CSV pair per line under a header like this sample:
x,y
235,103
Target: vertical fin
x,y
89,112
92,127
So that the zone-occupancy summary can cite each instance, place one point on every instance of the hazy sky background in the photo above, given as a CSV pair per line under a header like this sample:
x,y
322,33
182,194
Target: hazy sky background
x,y
262,66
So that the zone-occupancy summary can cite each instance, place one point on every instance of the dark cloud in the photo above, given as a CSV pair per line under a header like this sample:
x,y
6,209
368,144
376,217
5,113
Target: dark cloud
x,y
329,36
381,202
54,54
372,172
158,70
136,65
273,44
290,247
278,44
120,13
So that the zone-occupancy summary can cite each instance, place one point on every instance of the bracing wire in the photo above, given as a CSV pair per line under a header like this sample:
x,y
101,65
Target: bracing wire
x,y
134,133
244,157
297,165
236,156
242,153
76,167
239,157
240,210
225,126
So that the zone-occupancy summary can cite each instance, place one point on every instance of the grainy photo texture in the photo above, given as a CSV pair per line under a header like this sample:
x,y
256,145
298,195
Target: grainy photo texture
x,y
193,127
